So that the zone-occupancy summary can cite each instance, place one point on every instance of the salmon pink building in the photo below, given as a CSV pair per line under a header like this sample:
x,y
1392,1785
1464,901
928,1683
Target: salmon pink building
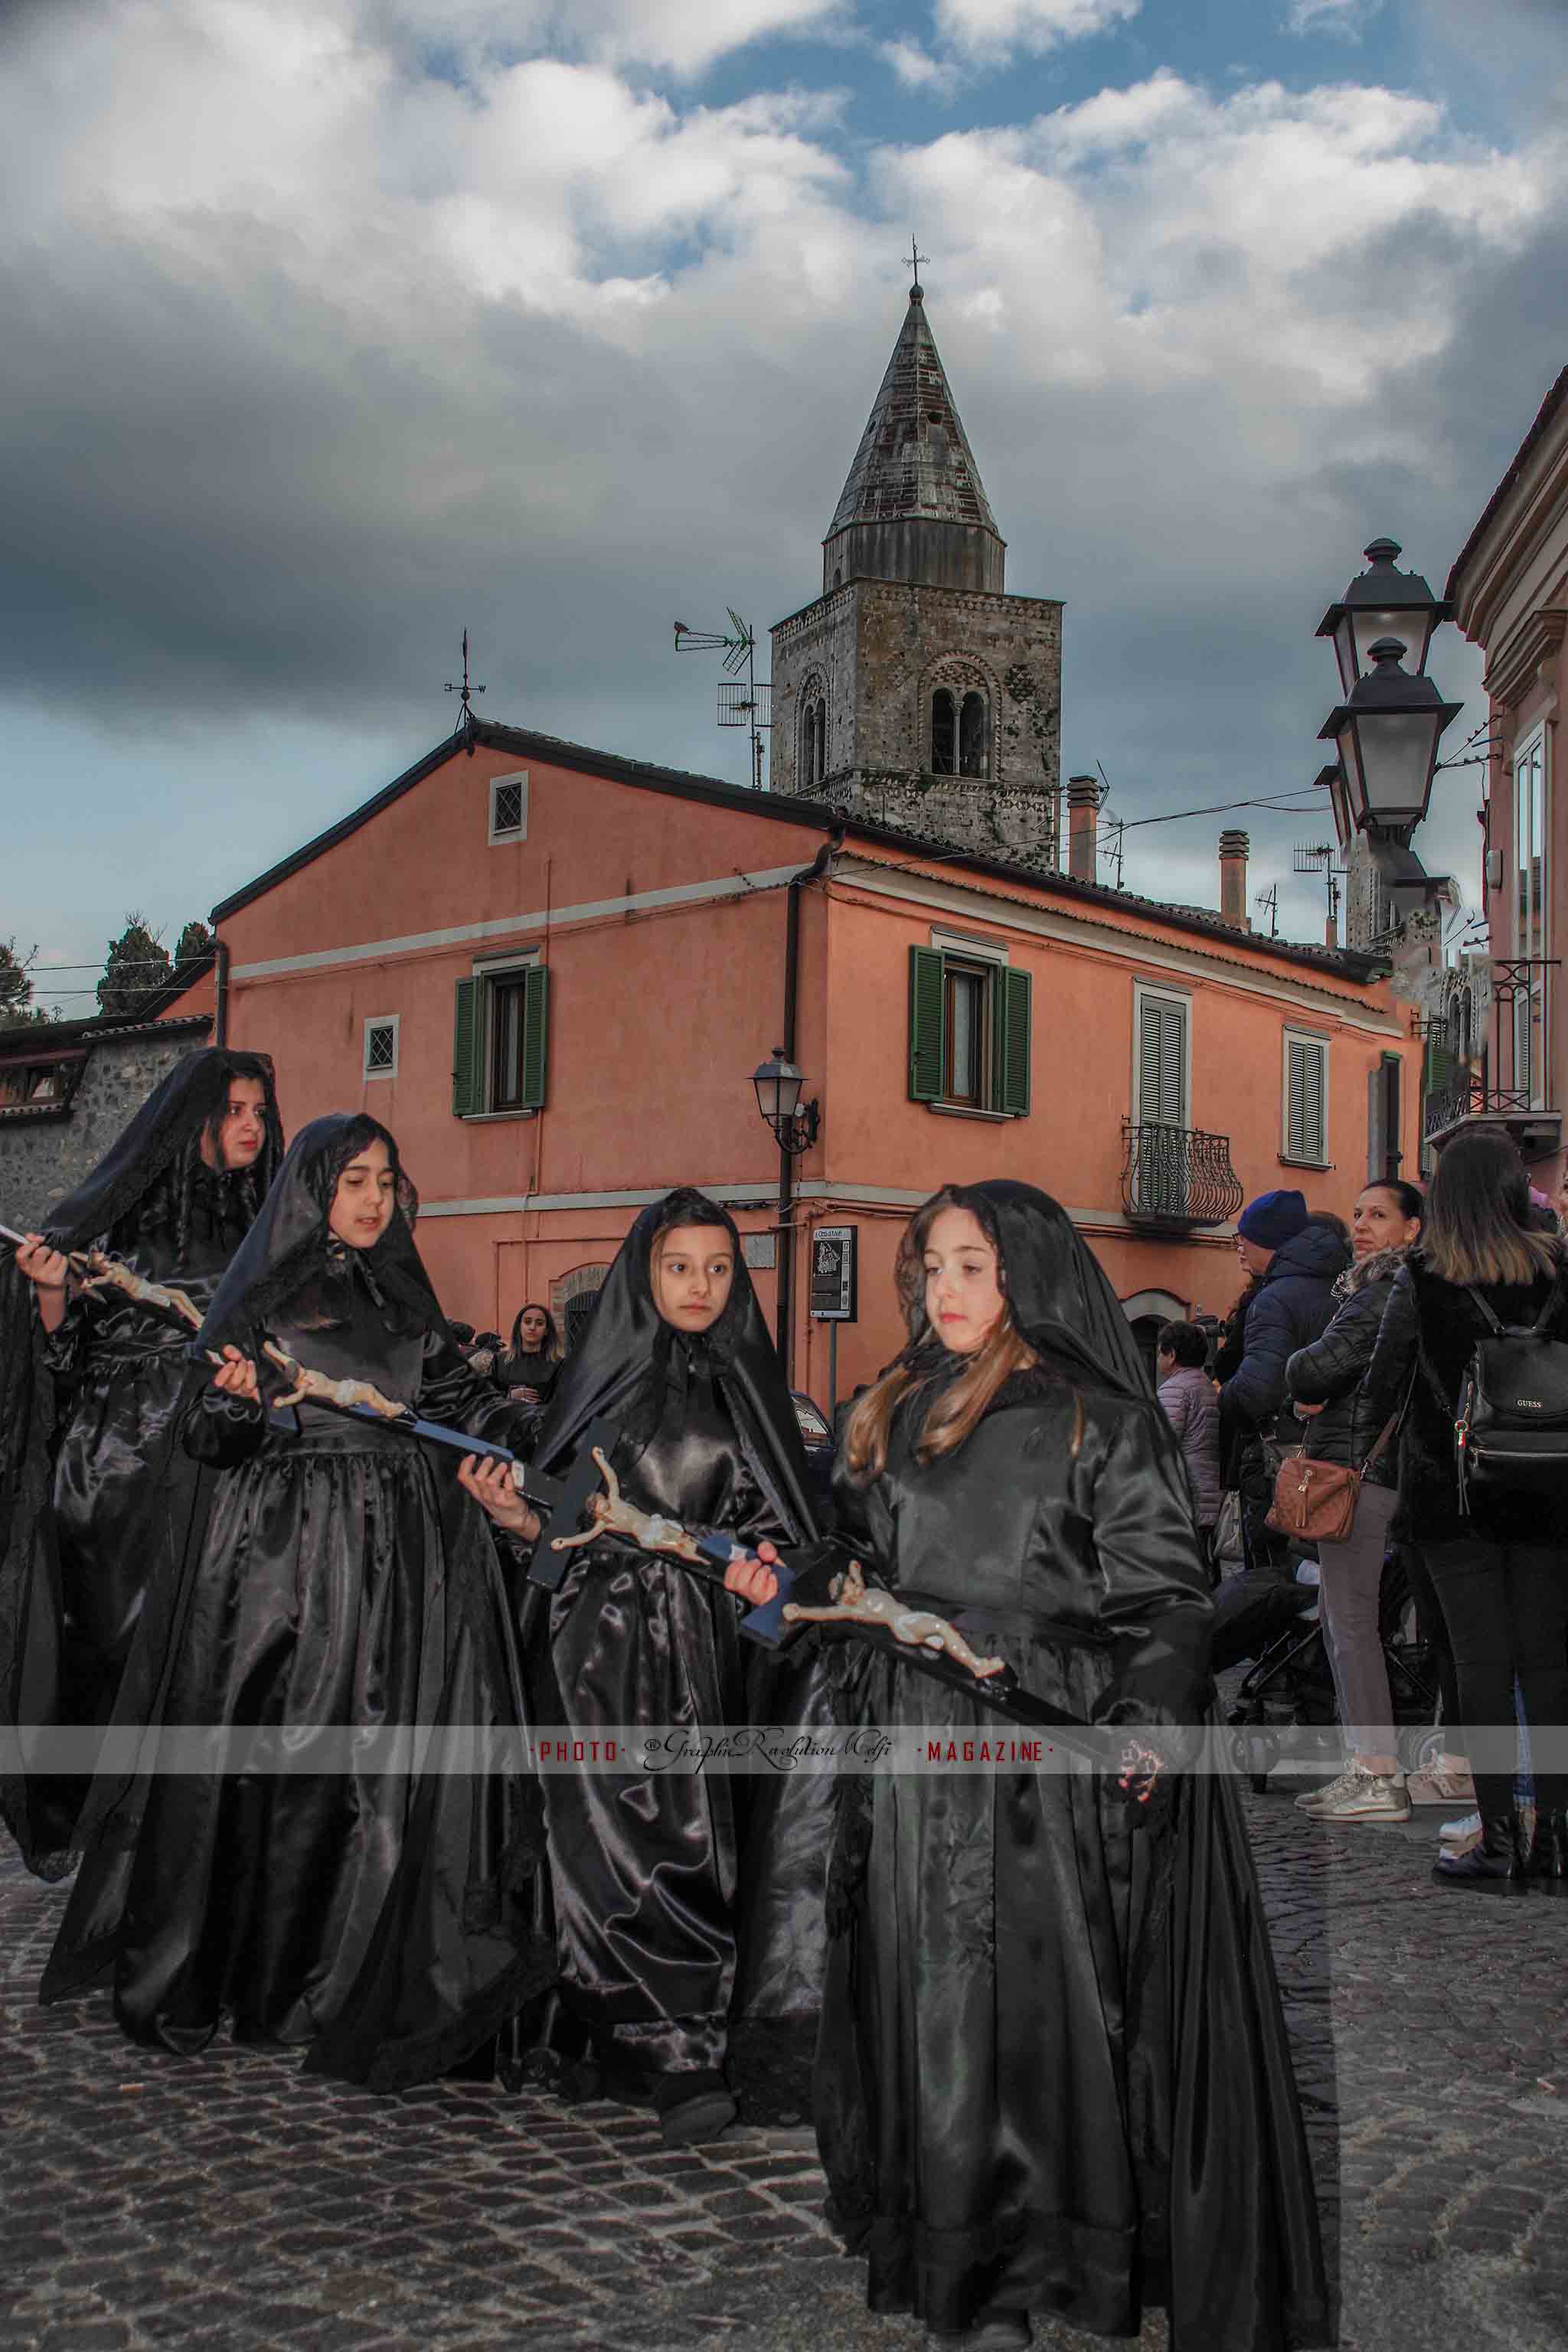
x,y
552,972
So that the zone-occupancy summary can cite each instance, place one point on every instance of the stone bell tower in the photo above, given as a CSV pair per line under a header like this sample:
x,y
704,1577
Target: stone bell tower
x,y
914,692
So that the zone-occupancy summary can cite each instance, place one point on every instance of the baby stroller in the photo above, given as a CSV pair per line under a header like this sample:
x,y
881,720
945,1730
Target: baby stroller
x,y
1291,1685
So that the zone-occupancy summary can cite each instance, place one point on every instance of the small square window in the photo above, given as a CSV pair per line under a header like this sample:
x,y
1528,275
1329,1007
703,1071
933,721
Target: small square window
x,y
508,808
381,1046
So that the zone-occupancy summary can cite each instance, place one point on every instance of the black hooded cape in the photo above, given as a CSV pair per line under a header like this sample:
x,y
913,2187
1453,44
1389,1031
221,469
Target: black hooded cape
x,y
104,1501
650,1876
378,1916
1053,2072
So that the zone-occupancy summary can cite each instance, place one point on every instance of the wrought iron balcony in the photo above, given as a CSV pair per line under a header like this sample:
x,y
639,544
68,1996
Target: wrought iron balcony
x,y
1177,1176
1509,1083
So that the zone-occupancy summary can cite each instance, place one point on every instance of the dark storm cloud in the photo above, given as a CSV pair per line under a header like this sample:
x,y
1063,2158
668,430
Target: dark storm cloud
x,y
267,444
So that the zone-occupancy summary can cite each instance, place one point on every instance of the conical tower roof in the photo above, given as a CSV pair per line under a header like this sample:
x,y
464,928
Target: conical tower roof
x,y
914,506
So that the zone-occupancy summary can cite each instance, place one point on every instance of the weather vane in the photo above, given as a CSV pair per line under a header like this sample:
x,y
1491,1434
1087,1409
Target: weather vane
x,y
747,703
465,723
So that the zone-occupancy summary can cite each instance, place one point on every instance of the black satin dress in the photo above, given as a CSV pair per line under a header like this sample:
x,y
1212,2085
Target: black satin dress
x,y
345,1580
643,1869
125,1490
1052,2073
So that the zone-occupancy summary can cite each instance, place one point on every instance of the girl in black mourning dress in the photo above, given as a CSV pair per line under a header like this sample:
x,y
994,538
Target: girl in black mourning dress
x,y
369,1909
646,1871
1052,2074
173,1199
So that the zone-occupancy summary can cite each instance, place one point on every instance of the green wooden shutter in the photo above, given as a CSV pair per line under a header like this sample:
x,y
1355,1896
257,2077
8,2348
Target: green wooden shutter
x,y
1161,1056
927,1025
468,1049
535,1037
1012,1042
1304,1128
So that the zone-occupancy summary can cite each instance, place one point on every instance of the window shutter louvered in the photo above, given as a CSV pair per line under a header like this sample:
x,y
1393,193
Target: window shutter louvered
x,y
468,1048
1014,1036
1376,1148
926,1025
536,1037
1304,1124
1160,1059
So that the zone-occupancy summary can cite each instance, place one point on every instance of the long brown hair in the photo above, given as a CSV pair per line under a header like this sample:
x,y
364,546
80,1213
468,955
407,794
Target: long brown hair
x,y
1477,1215
956,1410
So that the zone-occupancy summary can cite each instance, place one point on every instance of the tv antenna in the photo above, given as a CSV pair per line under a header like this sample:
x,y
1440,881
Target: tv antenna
x,y
741,702
1318,858
1270,899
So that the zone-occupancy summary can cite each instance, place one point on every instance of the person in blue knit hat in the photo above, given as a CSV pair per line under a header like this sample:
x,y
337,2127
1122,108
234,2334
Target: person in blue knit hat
x,y
1293,1260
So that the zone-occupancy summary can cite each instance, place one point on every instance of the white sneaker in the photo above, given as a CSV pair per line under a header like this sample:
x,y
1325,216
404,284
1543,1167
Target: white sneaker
x,y
1359,1796
1459,1835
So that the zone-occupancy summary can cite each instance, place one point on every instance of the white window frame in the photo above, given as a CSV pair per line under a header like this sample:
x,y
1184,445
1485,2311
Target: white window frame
x,y
393,1021
1176,999
1294,1034
494,968
518,832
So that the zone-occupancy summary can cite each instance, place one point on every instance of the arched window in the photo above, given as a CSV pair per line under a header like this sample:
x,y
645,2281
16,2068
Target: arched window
x,y
974,737
943,732
813,765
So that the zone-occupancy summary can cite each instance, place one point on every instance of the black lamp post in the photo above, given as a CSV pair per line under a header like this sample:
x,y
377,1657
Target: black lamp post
x,y
1382,603
1387,731
778,1084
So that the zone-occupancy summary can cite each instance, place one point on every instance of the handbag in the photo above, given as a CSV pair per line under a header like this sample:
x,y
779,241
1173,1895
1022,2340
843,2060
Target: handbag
x,y
1315,1501
1510,1431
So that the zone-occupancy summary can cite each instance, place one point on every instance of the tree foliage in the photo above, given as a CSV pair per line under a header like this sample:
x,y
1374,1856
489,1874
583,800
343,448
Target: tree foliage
x,y
194,941
17,1010
136,972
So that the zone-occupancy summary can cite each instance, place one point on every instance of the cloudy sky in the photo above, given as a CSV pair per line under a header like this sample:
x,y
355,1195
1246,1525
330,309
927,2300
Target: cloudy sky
x,y
330,326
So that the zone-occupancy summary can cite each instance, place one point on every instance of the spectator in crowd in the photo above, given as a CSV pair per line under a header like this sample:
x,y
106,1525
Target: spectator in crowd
x,y
1560,1200
1294,1261
1324,1379
1497,1568
531,1365
1192,1408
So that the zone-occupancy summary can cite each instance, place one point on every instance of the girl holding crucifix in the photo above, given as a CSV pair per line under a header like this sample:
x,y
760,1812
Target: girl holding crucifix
x,y
647,1873
370,1906
173,1200
1053,2075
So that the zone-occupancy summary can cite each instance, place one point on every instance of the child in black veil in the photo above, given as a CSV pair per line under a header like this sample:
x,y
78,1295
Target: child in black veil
x,y
1053,2075
90,1392
375,1911
645,1871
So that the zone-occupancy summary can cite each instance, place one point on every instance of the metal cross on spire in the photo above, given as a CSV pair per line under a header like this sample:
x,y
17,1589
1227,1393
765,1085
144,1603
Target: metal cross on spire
x,y
915,256
465,690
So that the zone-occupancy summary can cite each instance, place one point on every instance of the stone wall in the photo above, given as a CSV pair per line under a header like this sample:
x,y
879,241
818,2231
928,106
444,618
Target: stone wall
x,y
42,1160
879,649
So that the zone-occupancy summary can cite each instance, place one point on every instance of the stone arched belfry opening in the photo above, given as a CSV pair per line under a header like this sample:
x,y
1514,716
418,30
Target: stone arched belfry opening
x,y
915,692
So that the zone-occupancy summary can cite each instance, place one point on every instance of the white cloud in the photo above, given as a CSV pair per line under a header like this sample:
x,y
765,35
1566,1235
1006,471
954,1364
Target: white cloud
x,y
918,69
999,28
684,36
1346,19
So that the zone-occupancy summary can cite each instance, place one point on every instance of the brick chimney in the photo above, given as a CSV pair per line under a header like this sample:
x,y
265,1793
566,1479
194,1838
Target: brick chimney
x,y
1233,848
1083,825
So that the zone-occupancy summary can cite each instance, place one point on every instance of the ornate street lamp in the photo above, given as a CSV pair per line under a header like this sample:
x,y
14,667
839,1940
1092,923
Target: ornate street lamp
x,y
1387,730
778,1084
1381,602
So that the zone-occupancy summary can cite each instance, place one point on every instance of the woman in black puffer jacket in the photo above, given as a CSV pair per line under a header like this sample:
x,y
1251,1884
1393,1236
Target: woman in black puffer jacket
x,y
1499,1569
1324,1380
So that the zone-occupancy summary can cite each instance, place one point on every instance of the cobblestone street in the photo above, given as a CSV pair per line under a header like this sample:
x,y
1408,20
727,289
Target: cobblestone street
x,y
227,2199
